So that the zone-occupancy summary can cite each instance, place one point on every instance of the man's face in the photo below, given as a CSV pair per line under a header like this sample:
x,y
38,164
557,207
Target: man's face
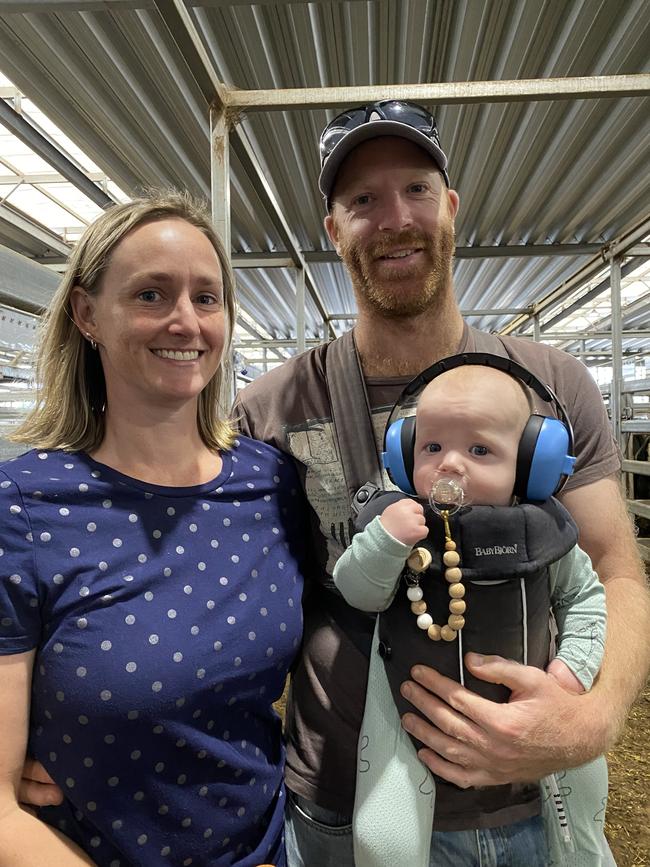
x,y
392,224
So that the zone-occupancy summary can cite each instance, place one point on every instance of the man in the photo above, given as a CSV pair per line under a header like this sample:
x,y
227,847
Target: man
x,y
391,219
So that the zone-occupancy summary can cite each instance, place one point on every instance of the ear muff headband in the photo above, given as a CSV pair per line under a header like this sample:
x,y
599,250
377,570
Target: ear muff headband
x,y
544,459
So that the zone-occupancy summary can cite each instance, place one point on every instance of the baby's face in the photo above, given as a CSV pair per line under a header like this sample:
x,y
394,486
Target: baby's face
x,y
468,429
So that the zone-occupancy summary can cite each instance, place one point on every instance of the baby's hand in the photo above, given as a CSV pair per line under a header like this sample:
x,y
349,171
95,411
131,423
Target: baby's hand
x,y
561,672
404,520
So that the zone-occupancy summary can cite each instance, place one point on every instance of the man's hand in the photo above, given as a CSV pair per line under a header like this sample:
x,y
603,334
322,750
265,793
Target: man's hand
x,y
476,742
37,788
404,520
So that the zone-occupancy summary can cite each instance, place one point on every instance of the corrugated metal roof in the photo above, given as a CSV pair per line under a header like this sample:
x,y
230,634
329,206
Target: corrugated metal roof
x,y
112,77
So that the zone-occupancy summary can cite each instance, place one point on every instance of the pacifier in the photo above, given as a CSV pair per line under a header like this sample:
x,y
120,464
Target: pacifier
x,y
448,496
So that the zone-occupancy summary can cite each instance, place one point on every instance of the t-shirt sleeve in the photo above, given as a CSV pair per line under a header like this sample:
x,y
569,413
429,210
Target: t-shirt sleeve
x,y
20,624
595,448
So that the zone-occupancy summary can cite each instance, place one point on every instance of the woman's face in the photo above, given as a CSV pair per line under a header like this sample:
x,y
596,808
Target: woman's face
x,y
158,316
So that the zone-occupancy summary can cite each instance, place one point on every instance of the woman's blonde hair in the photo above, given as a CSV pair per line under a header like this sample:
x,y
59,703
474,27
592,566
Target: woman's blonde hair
x,y
71,395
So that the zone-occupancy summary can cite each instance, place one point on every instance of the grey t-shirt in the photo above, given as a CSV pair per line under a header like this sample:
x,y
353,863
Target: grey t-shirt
x,y
289,408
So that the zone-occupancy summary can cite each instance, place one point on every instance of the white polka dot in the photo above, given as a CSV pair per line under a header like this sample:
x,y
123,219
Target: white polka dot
x,y
91,527
107,504
217,645
180,549
81,671
103,565
167,571
105,695
82,622
142,558
234,558
106,645
135,755
187,589
148,595
193,528
142,839
45,537
210,604
96,474
15,579
194,630
205,506
133,518
130,619
57,647
178,656
264,611
171,510
131,667
117,543
156,686
232,620
65,512
269,651
200,673
42,456
223,580
83,487
214,543
153,639
127,577
226,522
84,591
201,566
246,537
251,636
171,614
74,552
156,534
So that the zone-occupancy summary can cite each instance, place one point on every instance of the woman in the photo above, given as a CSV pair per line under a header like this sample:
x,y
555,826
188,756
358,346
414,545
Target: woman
x,y
149,587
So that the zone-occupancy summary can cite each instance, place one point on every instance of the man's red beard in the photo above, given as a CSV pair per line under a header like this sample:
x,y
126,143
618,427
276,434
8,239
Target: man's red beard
x,y
385,293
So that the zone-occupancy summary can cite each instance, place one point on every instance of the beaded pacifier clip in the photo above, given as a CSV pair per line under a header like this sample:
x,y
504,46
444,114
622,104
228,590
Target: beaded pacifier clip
x,y
446,498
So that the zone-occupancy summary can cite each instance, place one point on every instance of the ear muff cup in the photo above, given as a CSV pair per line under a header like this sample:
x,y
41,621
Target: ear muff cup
x,y
542,459
399,454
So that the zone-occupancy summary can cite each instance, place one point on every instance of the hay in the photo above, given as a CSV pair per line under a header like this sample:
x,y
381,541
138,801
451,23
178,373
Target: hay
x,y
628,810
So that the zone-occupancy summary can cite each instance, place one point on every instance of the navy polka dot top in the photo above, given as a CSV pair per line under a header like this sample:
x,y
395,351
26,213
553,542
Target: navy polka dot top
x,y
164,621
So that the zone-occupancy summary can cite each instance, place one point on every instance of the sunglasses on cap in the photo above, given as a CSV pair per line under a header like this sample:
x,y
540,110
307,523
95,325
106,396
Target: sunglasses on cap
x,y
404,119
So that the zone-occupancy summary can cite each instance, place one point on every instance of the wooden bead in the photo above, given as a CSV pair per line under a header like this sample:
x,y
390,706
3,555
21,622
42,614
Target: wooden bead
x,y
456,621
451,558
418,607
414,593
450,546
434,632
447,633
453,575
419,559
457,606
424,621
456,591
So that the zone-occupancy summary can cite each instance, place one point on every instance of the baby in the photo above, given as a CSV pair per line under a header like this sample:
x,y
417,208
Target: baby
x,y
508,565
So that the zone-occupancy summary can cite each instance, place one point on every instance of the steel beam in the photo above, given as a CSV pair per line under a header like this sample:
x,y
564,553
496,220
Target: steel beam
x,y
618,247
447,93
26,133
510,251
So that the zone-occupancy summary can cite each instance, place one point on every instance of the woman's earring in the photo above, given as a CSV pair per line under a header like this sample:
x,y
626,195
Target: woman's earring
x,y
90,340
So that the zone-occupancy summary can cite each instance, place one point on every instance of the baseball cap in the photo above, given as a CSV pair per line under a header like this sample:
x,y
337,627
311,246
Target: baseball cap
x,y
388,117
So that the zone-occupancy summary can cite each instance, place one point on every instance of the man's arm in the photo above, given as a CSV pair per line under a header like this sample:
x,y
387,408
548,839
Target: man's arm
x,y
543,728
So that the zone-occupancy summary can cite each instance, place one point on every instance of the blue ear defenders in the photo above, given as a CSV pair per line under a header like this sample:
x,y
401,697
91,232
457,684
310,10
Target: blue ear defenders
x,y
544,458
